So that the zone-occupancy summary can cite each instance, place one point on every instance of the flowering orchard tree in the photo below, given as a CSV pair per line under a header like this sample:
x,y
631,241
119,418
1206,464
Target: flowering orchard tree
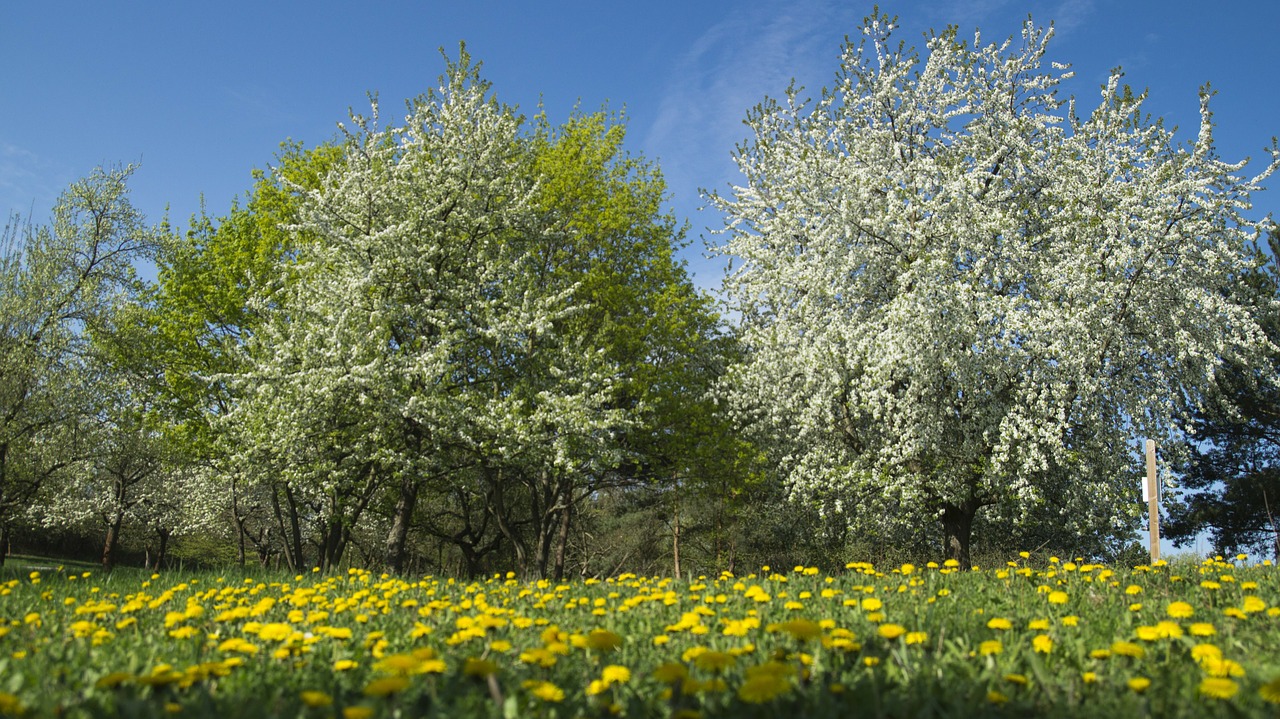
x,y
416,335
958,293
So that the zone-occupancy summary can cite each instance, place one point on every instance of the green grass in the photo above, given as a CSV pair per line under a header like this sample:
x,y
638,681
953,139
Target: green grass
x,y
1038,638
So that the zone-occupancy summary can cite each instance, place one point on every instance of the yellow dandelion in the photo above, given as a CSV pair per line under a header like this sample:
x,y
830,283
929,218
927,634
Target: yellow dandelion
x,y
386,686
1042,643
603,640
1179,610
1202,629
1270,692
357,712
1127,649
615,674
1057,597
1218,688
891,631
714,661
763,688
316,699
479,667
670,673
996,697
989,647
1139,684
546,691
1000,624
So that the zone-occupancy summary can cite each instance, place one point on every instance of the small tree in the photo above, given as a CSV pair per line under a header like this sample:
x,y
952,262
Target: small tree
x,y
957,293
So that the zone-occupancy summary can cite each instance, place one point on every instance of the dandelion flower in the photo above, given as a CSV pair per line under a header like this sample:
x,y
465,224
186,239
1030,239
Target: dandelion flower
x,y
763,688
386,686
316,699
999,624
1139,684
1270,692
989,647
1042,643
1179,610
891,631
1218,688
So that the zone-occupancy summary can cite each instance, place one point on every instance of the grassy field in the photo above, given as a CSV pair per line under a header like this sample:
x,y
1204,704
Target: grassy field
x,y
1038,637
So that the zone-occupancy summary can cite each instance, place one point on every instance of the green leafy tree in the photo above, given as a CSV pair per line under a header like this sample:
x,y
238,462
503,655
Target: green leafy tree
x,y
959,295
58,283
1232,481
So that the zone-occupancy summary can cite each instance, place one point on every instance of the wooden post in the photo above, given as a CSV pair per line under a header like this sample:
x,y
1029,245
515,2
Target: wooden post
x,y
1153,502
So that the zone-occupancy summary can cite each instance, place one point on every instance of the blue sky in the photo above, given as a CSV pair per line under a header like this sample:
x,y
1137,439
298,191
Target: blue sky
x,y
201,93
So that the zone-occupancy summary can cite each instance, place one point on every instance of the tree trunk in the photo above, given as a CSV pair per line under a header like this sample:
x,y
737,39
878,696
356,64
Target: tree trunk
x,y
957,530
291,532
239,520
675,534
112,542
163,550
562,541
399,535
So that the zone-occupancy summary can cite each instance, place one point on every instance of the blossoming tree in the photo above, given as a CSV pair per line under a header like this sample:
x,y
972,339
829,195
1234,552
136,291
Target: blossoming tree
x,y
958,293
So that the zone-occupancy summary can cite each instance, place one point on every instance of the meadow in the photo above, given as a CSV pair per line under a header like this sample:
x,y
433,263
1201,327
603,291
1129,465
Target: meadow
x,y
1040,636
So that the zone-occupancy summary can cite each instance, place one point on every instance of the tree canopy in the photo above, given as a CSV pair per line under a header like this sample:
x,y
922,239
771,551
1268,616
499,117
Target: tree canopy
x,y
957,292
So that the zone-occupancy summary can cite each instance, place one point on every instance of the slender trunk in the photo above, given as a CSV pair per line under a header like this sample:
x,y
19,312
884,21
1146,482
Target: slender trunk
x,y
291,541
957,529
239,520
675,534
112,542
163,550
399,535
5,538
497,506
562,541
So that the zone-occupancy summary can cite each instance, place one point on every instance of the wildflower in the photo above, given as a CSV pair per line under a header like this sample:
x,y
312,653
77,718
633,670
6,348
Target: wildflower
x,y
1253,605
479,667
891,631
1202,629
801,629
763,688
996,697
603,640
386,686
316,699
1218,688
1270,692
1000,624
670,673
343,665
112,680
989,647
615,674
1127,649
917,637
1057,597
1139,684
1179,610
357,712
1042,643
546,691
1089,677
714,661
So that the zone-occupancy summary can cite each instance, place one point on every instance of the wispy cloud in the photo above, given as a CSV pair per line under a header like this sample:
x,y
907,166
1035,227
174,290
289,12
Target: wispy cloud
x,y
29,184
752,52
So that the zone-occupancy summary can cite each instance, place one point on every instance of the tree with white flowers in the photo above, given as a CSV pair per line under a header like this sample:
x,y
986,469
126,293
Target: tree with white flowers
x,y
419,334
958,294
